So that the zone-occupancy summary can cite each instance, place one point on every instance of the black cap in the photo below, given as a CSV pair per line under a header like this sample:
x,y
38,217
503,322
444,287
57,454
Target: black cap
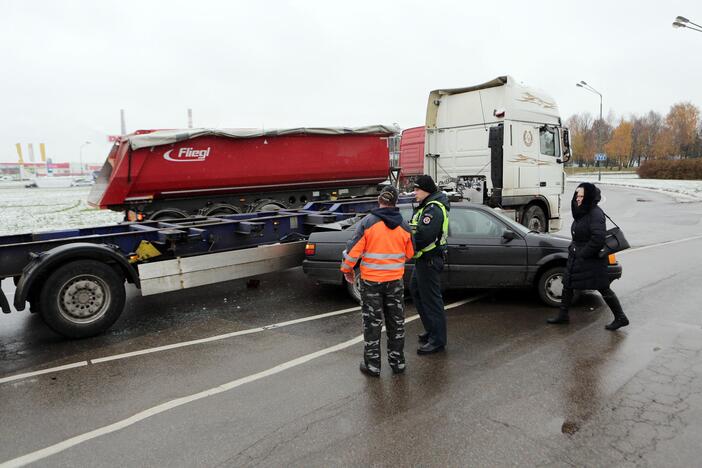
x,y
388,195
425,183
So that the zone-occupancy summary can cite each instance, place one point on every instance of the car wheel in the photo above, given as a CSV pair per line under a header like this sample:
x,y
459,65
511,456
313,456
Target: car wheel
x,y
535,219
550,287
354,289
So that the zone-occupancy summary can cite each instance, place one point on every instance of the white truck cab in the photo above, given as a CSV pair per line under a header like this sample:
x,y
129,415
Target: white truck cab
x,y
500,143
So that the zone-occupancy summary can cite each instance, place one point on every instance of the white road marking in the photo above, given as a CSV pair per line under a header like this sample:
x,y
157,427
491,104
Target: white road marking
x,y
178,345
660,244
222,337
252,330
169,405
26,375
249,331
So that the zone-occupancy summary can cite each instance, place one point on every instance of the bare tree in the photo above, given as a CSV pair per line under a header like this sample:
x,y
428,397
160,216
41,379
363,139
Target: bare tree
x,y
683,120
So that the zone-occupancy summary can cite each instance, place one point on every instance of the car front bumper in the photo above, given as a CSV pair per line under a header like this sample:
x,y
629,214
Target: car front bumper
x,y
614,272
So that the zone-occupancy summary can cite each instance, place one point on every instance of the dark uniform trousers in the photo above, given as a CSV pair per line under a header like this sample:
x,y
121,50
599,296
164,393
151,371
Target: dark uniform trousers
x,y
425,288
377,299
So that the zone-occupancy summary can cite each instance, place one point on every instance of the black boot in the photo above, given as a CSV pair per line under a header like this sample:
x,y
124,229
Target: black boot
x,y
369,370
562,317
620,320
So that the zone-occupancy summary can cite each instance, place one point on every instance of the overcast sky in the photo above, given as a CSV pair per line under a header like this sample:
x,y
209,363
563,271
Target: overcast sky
x,y
68,67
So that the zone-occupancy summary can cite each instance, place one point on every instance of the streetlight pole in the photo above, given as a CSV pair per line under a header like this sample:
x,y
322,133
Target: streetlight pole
x,y
682,22
587,87
80,155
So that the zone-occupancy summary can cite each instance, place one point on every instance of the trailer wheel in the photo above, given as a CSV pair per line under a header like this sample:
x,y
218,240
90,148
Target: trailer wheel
x,y
168,213
268,205
535,219
82,298
550,287
221,209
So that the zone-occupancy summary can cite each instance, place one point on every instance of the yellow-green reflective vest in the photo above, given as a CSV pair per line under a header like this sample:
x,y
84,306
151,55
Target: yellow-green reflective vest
x,y
444,227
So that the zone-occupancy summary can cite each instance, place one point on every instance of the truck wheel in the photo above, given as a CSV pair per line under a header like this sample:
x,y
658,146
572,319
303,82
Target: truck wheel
x,y
221,209
268,205
82,298
168,213
535,219
354,289
550,287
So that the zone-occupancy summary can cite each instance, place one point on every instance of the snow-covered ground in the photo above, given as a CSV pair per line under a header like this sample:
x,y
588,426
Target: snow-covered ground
x,y
24,210
682,190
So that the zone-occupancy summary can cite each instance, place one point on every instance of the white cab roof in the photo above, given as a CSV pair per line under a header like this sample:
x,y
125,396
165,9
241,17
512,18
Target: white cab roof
x,y
483,103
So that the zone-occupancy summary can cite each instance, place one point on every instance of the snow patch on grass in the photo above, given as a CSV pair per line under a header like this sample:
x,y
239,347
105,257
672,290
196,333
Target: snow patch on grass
x,y
24,210
684,191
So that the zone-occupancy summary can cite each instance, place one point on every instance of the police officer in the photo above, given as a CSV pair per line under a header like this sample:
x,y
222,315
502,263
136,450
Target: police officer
x,y
430,227
382,242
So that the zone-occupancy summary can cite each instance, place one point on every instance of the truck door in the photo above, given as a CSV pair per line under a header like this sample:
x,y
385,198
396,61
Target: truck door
x,y
550,169
524,159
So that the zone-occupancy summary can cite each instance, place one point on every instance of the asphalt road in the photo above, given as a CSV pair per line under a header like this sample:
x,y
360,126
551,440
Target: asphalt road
x,y
509,390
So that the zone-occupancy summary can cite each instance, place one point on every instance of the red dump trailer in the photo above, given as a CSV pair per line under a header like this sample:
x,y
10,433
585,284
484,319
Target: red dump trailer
x,y
411,156
159,174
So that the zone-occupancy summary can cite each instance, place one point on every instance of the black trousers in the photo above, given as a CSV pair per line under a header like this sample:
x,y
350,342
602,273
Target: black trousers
x,y
608,295
425,288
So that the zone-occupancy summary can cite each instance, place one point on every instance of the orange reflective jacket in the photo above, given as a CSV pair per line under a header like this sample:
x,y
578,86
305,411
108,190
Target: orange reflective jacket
x,y
382,250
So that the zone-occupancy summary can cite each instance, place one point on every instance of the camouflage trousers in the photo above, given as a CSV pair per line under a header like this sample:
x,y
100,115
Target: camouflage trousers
x,y
380,299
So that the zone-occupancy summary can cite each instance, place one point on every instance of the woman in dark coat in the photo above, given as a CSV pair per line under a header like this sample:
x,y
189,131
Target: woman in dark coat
x,y
585,269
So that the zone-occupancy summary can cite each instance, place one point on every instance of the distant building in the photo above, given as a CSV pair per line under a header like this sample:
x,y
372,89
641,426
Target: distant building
x,y
34,169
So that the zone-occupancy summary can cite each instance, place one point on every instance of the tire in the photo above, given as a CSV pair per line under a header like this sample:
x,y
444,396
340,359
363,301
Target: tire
x,y
221,209
354,289
168,213
82,298
535,219
550,287
267,205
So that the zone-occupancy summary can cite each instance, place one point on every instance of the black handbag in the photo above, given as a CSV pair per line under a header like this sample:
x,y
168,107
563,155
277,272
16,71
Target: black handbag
x,y
614,240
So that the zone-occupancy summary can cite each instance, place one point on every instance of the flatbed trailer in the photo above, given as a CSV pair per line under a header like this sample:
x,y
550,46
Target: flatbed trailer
x,y
74,278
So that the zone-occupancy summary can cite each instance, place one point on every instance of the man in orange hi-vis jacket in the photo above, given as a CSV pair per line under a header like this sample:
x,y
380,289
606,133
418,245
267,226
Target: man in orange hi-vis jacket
x,y
382,243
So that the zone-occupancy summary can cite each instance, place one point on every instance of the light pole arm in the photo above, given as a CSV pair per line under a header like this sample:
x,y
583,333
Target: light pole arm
x,y
587,87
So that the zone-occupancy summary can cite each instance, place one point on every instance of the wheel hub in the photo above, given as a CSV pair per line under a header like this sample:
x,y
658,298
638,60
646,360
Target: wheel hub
x,y
554,287
535,224
83,299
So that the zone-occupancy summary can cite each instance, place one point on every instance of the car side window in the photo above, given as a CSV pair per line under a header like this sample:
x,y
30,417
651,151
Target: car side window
x,y
473,223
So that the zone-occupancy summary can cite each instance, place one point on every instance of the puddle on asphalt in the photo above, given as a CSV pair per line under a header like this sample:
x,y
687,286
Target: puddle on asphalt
x,y
569,427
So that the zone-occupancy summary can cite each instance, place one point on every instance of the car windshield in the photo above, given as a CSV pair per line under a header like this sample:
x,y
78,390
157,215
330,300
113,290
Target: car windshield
x,y
512,223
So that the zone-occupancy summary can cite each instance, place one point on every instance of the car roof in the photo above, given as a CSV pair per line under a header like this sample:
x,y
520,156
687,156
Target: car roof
x,y
461,204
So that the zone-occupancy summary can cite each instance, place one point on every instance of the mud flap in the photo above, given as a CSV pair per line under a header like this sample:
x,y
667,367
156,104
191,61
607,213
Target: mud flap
x,y
4,305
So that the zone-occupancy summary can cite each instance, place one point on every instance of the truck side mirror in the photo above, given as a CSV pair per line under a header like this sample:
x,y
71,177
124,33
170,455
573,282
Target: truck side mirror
x,y
566,145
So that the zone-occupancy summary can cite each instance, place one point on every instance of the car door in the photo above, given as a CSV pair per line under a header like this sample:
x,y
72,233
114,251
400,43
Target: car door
x,y
478,254
406,212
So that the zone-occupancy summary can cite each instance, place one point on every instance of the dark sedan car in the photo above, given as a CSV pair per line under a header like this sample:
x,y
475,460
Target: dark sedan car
x,y
486,250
